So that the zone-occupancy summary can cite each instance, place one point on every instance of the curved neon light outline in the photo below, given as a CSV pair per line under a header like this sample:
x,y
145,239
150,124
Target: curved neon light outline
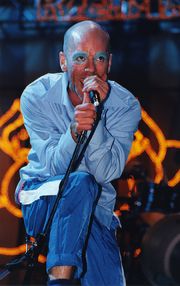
x,y
13,149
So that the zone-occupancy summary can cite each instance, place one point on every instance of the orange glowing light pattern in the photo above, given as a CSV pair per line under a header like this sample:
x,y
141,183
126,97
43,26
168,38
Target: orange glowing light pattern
x,y
105,10
13,134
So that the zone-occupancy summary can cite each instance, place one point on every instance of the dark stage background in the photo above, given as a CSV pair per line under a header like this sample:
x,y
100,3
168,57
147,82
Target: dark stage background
x,y
146,60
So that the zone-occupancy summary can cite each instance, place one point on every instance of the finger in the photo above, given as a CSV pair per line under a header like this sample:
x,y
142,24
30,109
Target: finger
x,y
85,121
80,115
90,82
84,127
95,84
86,107
91,77
86,98
102,90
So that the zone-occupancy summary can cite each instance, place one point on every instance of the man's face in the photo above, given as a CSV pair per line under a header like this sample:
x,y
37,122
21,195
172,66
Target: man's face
x,y
88,56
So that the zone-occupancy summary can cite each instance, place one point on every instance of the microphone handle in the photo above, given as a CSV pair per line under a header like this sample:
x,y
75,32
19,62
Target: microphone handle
x,y
82,136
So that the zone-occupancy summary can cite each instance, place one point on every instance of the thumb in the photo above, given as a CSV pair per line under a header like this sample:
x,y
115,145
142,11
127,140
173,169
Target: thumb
x,y
86,98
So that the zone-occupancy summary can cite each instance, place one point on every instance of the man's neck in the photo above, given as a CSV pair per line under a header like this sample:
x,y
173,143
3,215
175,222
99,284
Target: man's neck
x,y
74,98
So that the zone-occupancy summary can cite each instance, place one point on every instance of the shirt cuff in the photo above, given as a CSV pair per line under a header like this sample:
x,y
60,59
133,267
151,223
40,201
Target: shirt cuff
x,y
67,142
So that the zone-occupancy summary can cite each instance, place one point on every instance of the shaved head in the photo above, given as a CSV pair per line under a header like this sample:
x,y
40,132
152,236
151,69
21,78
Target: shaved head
x,y
76,33
86,54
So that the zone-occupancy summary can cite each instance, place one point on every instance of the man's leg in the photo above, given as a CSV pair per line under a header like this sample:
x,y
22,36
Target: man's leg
x,y
70,224
103,258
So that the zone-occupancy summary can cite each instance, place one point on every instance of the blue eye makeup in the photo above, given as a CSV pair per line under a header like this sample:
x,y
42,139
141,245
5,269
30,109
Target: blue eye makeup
x,y
80,57
101,56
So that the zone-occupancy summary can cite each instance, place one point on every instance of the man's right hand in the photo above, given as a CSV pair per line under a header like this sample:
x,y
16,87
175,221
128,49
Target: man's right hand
x,y
84,117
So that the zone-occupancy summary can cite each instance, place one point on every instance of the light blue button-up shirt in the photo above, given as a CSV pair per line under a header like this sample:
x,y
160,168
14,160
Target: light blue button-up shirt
x,y
48,112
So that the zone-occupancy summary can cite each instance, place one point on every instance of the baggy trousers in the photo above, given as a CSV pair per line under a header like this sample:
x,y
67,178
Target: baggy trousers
x,y
76,236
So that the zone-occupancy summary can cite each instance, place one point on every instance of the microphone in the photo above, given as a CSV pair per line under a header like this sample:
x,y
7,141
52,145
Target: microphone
x,y
94,97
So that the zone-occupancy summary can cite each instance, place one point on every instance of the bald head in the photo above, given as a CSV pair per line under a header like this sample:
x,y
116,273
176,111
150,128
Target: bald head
x,y
79,31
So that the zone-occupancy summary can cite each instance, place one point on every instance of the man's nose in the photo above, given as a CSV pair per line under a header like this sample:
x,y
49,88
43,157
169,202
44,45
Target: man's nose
x,y
90,67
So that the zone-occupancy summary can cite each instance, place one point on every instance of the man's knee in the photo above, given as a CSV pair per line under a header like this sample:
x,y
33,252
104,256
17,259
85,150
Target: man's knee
x,y
85,183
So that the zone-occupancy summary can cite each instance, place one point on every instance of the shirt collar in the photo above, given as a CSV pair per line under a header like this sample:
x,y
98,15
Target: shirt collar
x,y
65,96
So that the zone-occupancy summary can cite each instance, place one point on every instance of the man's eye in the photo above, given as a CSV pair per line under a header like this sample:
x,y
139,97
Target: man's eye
x,y
80,59
101,59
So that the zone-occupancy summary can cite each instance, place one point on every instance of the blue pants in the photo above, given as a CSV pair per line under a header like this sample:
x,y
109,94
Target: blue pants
x,y
75,232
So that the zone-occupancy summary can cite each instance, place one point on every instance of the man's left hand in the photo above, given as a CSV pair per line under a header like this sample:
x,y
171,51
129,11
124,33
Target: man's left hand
x,y
96,84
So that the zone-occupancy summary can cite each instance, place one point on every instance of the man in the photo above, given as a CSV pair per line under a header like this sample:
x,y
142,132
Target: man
x,y
57,109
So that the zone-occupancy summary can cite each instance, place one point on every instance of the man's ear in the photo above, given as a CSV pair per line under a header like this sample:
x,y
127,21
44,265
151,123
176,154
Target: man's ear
x,y
62,61
110,62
